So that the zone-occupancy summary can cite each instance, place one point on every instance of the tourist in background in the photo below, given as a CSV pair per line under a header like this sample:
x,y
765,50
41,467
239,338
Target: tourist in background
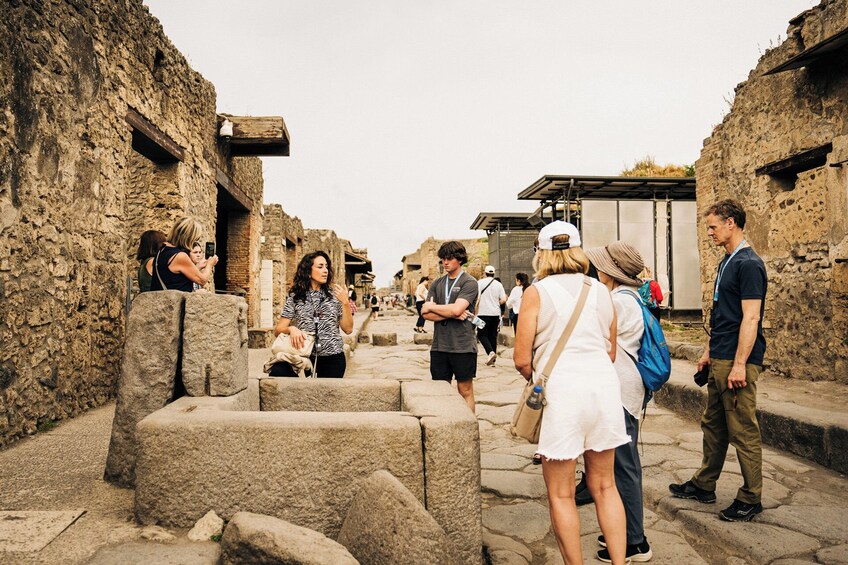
x,y
522,281
583,410
618,266
420,298
317,307
650,292
490,298
734,356
198,260
173,269
351,297
148,246
375,306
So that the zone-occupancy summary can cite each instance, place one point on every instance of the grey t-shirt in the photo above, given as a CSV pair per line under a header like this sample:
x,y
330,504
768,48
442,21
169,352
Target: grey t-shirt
x,y
454,336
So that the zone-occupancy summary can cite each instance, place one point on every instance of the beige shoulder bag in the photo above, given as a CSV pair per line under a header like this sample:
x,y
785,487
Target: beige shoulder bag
x,y
527,421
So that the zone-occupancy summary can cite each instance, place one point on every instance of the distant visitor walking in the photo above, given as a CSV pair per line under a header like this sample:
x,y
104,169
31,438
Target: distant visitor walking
x,y
421,297
491,296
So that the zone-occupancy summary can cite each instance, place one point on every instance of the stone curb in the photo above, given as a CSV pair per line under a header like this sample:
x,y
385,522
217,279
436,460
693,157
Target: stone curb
x,y
817,435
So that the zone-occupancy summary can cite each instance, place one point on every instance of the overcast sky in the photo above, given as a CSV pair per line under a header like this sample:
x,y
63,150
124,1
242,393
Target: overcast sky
x,y
407,119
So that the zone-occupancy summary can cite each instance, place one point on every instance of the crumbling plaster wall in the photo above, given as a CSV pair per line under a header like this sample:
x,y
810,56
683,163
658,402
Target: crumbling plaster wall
x,y
800,228
69,196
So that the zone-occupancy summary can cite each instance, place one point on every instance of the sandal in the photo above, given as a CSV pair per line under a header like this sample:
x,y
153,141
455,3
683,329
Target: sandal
x,y
537,459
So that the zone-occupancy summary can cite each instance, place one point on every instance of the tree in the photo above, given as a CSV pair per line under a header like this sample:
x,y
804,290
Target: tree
x,y
648,167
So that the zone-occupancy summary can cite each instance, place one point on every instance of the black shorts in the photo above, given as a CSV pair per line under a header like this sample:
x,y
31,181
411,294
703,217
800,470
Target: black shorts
x,y
446,366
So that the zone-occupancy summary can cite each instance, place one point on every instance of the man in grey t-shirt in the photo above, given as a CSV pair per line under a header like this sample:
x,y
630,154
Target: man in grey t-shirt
x,y
454,350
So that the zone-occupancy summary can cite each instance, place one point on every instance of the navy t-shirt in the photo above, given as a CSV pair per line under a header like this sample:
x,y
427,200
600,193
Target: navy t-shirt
x,y
744,278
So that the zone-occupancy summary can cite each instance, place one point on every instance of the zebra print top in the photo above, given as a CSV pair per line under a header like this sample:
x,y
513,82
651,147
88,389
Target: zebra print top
x,y
327,310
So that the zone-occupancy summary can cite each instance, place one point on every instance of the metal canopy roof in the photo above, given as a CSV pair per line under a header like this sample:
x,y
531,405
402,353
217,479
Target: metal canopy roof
x,y
808,56
555,187
512,221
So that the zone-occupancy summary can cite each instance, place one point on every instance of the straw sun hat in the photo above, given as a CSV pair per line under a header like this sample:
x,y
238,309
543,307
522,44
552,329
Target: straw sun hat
x,y
619,260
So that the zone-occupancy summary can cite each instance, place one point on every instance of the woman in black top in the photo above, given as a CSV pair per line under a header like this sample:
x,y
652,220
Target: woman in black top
x,y
173,269
317,307
149,245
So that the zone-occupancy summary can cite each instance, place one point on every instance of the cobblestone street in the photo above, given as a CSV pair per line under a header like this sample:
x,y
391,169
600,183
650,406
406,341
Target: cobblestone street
x,y
805,503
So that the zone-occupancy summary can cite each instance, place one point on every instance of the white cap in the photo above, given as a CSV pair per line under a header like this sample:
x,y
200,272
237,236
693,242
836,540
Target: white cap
x,y
554,229
489,270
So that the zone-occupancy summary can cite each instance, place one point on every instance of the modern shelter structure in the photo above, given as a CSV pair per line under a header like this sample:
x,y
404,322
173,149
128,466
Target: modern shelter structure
x,y
511,237
655,214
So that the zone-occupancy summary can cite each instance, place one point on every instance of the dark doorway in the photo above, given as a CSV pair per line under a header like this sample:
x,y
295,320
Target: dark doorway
x,y
231,216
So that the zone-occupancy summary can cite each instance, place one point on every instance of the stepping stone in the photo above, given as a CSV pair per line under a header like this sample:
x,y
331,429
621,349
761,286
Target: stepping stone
x,y
384,339
422,339
528,521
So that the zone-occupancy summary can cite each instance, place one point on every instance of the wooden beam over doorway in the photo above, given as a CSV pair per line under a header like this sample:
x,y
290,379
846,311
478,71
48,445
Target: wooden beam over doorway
x,y
258,135
228,184
152,142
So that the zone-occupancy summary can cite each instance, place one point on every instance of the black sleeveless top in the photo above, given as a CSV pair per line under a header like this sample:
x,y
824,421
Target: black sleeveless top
x,y
173,281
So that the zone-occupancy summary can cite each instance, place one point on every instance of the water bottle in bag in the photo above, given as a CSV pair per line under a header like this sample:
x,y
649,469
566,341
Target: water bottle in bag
x,y
534,401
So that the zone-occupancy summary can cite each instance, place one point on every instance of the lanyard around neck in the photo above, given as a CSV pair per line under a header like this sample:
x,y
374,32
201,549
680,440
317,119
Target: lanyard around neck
x,y
724,266
449,290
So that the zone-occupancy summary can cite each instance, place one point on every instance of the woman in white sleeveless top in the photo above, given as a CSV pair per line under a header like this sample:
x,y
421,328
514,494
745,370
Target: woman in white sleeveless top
x,y
583,411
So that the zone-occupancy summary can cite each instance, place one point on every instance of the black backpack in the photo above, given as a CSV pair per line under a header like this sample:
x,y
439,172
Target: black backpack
x,y
374,300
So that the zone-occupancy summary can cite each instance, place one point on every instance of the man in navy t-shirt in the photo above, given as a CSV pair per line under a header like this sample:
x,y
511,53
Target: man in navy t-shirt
x,y
734,356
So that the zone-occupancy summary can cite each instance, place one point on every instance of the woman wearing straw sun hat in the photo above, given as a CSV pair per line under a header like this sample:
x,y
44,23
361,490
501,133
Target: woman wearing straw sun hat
x,y
583,404
618,265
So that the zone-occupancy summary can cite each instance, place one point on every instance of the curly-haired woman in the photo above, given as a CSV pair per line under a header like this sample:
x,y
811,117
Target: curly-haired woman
x,y
317,307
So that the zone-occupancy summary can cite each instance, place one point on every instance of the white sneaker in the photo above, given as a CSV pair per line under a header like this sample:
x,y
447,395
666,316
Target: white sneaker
x,y
493,357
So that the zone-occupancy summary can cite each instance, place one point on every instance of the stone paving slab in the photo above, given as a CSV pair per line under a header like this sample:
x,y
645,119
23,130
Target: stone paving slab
x,y
31,530
512,484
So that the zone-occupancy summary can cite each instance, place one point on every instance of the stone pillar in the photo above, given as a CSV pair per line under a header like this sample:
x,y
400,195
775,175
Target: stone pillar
x,y
215,343
148,374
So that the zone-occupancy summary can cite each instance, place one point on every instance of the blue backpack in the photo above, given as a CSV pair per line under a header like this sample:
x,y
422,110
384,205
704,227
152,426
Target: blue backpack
x,y
654,362
645,294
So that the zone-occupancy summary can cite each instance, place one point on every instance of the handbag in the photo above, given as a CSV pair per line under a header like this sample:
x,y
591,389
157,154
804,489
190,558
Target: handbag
x,y
527,421
283,344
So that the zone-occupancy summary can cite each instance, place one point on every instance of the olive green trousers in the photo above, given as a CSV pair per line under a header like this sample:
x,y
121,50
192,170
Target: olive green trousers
x,y
730,418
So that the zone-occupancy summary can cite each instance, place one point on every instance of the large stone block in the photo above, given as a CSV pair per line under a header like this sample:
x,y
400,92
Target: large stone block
x,y
215,343
252,539
422,339
387,524
384,339
452,459
326,395
304,467
148,374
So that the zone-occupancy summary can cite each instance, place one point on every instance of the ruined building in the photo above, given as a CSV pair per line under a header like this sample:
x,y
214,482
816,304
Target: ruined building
x,y
782,151
424,261
105,131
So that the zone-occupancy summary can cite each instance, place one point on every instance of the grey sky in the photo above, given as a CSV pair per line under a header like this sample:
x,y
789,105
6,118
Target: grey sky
x,y
409,118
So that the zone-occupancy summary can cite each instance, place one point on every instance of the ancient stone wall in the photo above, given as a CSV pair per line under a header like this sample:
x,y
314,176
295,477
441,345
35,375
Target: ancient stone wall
x,y
797,215
331,244
281,235
77,187
426,256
